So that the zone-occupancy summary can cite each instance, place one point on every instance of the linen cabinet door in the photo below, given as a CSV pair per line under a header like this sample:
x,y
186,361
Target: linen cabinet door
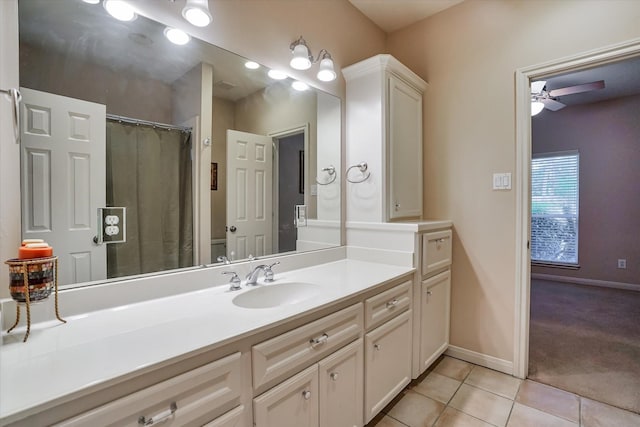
x,y
341,387
293,403
387,363
434,323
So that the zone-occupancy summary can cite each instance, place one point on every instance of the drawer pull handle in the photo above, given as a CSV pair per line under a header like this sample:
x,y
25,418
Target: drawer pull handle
x,y
158,418
377,347
440,240
392,303
306,394
319,340
333,376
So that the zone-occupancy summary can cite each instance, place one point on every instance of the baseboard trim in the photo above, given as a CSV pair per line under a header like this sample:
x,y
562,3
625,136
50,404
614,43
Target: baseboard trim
x,y
587,282
480,359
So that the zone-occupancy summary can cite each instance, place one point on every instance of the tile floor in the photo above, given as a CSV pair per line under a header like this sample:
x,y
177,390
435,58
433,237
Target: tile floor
x,y
455,393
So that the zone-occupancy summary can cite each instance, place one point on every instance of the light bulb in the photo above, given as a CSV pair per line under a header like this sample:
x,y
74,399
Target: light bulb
x,y
300,86
300,60
91,1
326,72
252,65
120,10
536,107
197,13
176,36
276,75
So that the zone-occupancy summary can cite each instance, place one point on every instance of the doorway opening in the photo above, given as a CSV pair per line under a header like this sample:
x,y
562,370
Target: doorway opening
x,y
524,77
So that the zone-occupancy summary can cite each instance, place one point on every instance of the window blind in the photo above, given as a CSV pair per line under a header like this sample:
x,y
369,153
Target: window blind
x,y
554,208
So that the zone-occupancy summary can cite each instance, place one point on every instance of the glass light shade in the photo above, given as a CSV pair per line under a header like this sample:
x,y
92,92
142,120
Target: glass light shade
x,y
536,87
120,10
300,86
91,1
326,72
300,60
536,107
176,36
277,75
197,13
251,65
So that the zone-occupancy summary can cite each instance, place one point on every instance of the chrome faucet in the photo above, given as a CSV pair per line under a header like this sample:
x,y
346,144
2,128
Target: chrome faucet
x,y
252,277
234,282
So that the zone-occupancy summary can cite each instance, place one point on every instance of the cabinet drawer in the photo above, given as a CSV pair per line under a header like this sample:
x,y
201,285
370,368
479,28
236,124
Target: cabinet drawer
x,y
290,351
199,396
436,251
382,307
233,418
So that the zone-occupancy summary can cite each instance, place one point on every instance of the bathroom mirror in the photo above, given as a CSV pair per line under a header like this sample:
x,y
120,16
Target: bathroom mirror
x,y
209,158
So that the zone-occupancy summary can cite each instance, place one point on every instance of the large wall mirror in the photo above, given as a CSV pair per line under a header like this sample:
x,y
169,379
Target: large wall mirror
x,y
210,159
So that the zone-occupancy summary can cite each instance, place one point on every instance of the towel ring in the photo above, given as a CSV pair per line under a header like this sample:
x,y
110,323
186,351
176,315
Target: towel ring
x,y
332,175
363,168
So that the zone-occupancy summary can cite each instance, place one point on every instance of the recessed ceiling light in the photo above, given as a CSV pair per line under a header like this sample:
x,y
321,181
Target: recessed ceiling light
x,y
277,75
176,36
252,65
297,85
120,9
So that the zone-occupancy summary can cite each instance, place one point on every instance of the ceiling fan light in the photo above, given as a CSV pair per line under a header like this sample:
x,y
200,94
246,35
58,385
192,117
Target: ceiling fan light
x,y
197,13
326,72
536,87
536,107
300,60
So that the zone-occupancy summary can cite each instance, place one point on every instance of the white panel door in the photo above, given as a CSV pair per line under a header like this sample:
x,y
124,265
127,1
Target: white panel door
x,y
63,180
404,150
249,194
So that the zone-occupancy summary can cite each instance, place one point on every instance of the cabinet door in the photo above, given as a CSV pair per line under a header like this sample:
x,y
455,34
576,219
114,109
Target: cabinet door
x,y
387,363
404,150
341,387
293,403
434,319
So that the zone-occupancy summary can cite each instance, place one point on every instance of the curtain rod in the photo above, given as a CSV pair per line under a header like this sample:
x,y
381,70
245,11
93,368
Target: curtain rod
x,y
124,119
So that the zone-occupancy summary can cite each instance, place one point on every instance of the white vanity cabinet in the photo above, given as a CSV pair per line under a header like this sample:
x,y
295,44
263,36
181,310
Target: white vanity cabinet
x,y
384,129
387,349
194,398
326,394
434,249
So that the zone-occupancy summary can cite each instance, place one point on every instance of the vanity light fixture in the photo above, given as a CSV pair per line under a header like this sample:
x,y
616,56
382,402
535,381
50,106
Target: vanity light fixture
x,y
252,65
300,86
176,36
197,12
277,75
302,60
120,9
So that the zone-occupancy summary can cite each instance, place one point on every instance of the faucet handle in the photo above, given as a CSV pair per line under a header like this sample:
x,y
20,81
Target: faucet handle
x,y
268,272
234,282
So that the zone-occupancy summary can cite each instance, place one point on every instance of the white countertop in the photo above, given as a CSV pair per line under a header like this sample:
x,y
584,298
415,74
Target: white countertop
x,y
100,348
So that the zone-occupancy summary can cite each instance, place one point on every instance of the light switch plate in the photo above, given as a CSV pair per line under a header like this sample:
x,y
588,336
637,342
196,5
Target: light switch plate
x,y
301,215
502,181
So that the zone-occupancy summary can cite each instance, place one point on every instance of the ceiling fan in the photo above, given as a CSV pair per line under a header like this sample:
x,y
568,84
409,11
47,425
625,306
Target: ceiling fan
x,y
542,98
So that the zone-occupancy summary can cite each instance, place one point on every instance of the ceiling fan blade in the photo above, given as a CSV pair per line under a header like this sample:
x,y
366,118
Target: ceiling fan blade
x,y
570,90
552,105
536,87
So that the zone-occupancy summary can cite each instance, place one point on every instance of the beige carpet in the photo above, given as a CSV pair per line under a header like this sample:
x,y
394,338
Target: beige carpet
x,y
586,340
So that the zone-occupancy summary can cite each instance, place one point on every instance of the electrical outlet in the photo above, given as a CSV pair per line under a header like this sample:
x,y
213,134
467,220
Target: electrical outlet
x,y
622,263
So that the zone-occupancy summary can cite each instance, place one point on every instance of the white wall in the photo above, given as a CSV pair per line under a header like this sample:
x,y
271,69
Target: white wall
x,y
469,54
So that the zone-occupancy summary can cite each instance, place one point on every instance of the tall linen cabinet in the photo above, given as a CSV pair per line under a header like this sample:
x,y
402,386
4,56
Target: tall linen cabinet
x,y
384,129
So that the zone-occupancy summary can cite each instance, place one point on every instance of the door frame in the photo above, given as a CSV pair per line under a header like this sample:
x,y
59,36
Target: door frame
x,y
523,76
276,136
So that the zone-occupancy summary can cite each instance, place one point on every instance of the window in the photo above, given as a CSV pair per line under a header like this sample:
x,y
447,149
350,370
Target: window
x,y
554,208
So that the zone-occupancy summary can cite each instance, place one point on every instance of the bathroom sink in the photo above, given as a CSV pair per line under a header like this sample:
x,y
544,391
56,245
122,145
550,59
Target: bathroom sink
x,y
278,294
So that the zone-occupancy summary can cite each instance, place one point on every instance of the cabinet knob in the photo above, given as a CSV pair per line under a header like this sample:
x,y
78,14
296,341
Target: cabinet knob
x,y
377,347
429,293
306,394
333,376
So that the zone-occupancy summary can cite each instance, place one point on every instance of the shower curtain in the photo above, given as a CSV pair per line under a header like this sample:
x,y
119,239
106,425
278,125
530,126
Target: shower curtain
x,y
149,173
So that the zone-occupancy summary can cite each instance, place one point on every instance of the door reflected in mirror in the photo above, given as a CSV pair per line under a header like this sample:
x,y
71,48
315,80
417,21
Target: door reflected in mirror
x,y
116,115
